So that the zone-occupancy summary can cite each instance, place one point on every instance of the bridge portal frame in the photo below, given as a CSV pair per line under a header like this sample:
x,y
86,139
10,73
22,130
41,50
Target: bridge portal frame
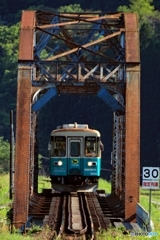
x,y
114,78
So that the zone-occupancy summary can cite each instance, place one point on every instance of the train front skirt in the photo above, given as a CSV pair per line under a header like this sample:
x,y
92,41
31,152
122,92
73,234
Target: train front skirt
x,y
74,188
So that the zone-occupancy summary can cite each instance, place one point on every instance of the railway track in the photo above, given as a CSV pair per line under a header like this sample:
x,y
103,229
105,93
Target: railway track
x,y
71,215
78,215
73,221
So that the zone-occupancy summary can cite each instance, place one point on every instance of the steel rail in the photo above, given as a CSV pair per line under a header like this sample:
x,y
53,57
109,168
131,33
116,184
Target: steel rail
x,y
63,220
96,220
90,218
54,212
76,217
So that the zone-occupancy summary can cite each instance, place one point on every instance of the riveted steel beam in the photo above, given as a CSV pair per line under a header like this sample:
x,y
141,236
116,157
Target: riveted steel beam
x,y
26,43
44,99
22,158
23,121
110,100
132,116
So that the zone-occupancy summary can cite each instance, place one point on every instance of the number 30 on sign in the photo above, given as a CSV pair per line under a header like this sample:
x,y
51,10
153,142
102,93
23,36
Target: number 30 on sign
x,y
151,173
150,177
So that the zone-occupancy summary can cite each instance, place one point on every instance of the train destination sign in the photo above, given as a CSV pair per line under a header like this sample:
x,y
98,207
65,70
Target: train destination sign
x,y
151,177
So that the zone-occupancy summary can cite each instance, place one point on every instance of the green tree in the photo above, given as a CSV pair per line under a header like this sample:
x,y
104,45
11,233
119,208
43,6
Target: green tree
x,y
9,38
149,19
143,8
72,8
4,155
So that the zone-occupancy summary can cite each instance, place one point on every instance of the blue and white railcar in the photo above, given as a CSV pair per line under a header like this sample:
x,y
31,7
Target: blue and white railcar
x,y
75,158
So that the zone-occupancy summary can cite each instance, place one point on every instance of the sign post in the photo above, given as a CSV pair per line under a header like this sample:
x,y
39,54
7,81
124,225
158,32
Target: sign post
x,y
150,200
150,180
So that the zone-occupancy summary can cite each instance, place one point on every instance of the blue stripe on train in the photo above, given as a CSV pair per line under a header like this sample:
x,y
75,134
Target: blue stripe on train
x,y
90,166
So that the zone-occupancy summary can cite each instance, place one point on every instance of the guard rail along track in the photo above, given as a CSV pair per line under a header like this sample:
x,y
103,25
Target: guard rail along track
x,y
70,215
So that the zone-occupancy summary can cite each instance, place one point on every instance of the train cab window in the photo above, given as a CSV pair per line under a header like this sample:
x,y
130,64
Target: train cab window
x,y
91,146
75,149
58,146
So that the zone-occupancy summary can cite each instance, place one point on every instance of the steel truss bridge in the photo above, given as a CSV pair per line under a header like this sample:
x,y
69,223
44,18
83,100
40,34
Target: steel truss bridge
x,y
93,53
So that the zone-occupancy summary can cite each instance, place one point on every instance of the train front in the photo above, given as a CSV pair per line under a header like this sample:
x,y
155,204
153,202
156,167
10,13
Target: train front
x,y
75,158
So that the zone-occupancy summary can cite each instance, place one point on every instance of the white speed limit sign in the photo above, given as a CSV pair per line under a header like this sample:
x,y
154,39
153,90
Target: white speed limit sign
x,y
150,173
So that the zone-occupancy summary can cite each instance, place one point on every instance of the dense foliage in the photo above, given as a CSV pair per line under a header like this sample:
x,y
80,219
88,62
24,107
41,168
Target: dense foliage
x,y
4,155
8,72
86,109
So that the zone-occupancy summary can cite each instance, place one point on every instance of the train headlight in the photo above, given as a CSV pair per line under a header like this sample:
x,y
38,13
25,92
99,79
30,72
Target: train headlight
x,y
89,163
60,163
92,164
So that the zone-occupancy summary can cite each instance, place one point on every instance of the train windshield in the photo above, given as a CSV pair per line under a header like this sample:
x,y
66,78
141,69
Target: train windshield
x,y
91,146
75,149
58,146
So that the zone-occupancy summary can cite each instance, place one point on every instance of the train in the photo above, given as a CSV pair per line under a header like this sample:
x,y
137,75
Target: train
x,y
75,158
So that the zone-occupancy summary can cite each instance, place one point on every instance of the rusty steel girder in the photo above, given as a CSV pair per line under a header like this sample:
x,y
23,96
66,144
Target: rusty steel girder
x,y
23,123
132,116
22,161
79,53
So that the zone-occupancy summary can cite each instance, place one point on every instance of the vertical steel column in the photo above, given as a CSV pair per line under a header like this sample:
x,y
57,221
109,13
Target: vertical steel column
x,y
34,154
132,135
11,184
120,150
23,120
117,153
116,157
